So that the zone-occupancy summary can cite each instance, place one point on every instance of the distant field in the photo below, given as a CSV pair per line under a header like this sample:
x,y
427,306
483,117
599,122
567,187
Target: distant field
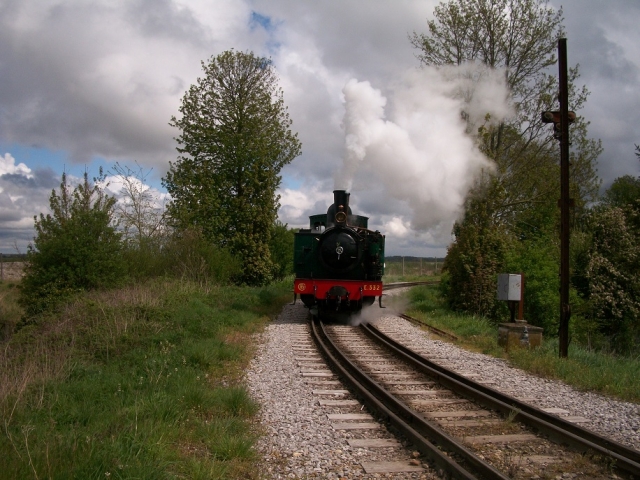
x,y
11,270
412,266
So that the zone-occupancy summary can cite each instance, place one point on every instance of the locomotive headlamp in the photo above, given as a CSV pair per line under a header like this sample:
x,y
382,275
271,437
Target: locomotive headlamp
x,y
341,216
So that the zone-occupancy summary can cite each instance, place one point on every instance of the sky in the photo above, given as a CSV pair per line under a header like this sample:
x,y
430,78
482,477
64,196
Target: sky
x,y
88,83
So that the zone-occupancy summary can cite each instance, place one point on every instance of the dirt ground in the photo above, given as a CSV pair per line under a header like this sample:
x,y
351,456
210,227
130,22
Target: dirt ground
x,y
11,270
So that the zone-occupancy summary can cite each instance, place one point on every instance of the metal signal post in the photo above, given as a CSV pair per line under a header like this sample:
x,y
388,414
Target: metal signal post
x,y
561,120
565,200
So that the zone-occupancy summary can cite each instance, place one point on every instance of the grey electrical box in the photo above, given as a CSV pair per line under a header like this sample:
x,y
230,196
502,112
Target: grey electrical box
x,y
510,287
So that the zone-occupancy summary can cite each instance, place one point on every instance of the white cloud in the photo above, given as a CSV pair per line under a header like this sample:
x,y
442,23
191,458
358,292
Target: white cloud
x,y
8,166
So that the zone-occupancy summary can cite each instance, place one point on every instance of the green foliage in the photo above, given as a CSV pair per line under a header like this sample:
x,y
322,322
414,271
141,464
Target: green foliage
x,y
474,260
623,192
190,256
613,275
511,218
538,260
235,138
147,259
281,249
76,247
185,254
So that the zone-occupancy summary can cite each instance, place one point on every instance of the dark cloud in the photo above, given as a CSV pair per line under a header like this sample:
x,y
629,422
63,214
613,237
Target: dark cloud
x,y
603,38
23,196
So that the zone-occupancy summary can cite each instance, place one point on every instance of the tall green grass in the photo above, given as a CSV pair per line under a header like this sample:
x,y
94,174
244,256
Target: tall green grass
x,y
142,382
10,311
584,369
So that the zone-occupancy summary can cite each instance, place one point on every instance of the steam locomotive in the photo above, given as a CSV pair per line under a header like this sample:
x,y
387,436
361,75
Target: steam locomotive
x,y
338,261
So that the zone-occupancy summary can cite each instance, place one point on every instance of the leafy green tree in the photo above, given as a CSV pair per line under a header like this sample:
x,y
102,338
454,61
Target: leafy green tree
x,y
538,259
474,259
519,36
623,192
607,266
613,274
281,247
189,256
235,138
76,247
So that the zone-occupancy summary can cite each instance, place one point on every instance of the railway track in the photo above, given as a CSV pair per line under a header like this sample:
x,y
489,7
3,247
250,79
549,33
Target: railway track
x,y
463,428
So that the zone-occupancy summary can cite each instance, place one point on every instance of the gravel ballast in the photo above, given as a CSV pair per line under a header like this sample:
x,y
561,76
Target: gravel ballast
x,y
300,442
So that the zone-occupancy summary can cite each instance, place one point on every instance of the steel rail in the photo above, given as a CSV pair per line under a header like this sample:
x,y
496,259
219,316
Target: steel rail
x,y
393,286
431,328
626,459
404,419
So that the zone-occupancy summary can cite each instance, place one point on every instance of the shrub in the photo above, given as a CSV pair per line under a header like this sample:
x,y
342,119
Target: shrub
x,y
190,256
538,260
76,247
281,248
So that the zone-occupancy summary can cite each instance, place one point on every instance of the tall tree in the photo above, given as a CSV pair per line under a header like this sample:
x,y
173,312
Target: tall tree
x,y
473,259
519,36
624,192
613,274
235,138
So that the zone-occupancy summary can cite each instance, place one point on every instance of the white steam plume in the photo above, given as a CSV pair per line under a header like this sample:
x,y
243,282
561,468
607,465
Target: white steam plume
x,y
422,154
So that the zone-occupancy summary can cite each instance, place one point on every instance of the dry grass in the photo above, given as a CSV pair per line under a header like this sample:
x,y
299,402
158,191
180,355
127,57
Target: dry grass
x,y
34,361
11,271
39,353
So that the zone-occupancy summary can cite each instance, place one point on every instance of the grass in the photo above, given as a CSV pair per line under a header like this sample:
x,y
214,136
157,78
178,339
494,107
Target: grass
x,y
143,382
584,369
10,312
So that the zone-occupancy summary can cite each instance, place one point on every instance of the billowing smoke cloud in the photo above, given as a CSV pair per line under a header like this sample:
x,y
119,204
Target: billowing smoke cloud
x,y
417,146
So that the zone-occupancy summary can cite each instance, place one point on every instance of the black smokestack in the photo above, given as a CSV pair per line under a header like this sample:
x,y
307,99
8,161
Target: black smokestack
x,y
341,199
339,212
